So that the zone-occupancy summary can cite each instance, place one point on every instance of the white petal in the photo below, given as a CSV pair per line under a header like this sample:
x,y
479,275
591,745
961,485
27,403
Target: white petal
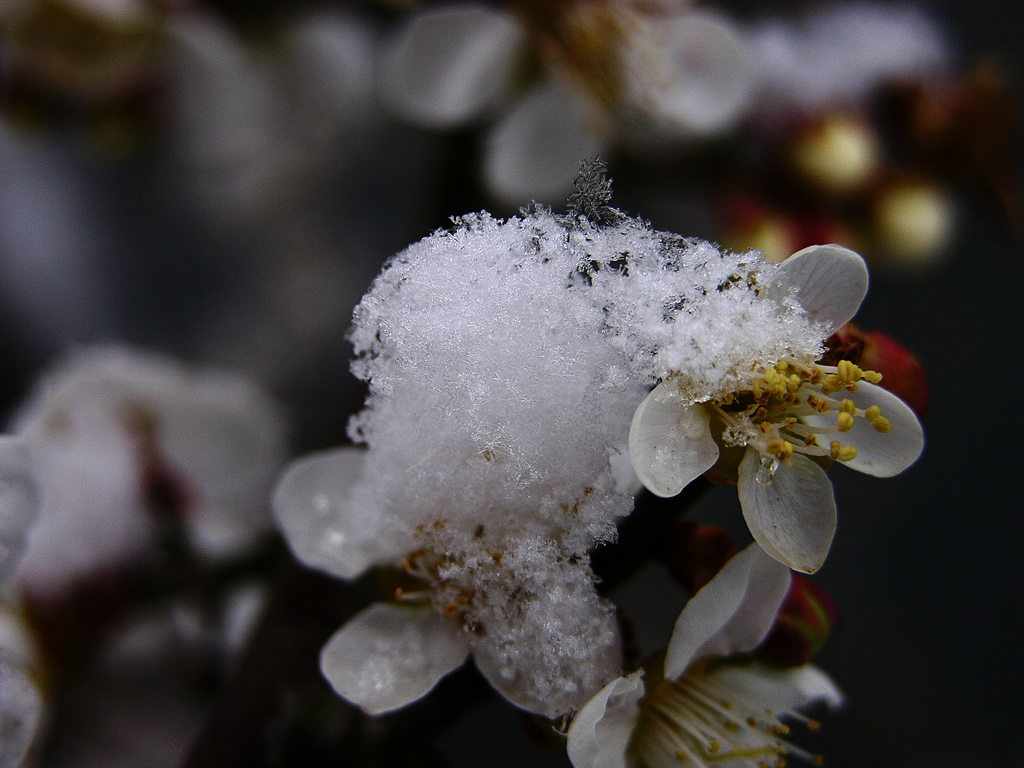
x,y
732,613
830,281
669,442
600,732
389,655
786,689
879,454
330,519
695,73
450,63
535,152
19,501
793,518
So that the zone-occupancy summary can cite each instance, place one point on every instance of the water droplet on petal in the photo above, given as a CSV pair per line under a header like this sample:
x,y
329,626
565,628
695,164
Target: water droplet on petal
x,y
766,471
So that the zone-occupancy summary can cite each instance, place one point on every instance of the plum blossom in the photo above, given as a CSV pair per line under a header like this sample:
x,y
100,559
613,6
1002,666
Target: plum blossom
x,y
786,419
705,700
504,361
567,79
108,421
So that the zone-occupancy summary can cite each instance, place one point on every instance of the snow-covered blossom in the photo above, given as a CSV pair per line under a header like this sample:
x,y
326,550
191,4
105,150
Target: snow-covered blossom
x,y
107,422
705,701
787,418
504,361
569,78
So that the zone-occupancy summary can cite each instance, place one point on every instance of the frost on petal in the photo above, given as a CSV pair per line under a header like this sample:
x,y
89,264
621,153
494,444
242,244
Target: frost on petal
x,y
549,642
388,655
793,518
881,454
450,63
694,73
670,443
21,712
19,501
732,613
328,518
536,150
600,732
830,282
787,689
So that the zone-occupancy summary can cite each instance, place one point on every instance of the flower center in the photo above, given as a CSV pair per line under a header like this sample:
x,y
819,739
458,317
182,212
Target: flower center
x,y
703,719
771,416
583,37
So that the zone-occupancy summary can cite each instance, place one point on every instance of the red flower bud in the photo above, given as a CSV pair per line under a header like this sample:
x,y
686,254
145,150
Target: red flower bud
x,y
805,621
694,553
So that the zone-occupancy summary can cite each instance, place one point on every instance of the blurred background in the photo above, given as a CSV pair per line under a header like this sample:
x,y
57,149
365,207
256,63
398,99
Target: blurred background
x,y
219,181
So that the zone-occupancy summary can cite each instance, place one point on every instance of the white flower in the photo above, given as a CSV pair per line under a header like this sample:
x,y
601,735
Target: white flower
x,y
788,418
103,421
536,628
608,71
708,704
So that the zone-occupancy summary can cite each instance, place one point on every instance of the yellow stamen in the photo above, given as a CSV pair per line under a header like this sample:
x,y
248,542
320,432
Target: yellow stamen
x,y
849,372
848,406
877,420
845,422
831,383
780,449
846,453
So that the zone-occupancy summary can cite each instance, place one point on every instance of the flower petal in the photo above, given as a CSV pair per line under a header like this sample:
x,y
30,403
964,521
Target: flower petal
x,y
670,443
328,516
19,501
694,74
450,63
794,517
830,281
600,732
732,613
879,454
535,152
389,655
787,689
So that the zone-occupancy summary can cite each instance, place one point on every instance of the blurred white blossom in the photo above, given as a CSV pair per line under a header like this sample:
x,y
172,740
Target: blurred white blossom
x,y
98,427
566,80
838,53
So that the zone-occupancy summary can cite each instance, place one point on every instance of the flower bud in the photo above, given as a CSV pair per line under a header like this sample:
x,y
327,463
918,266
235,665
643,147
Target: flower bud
x,y
694,553
805,621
